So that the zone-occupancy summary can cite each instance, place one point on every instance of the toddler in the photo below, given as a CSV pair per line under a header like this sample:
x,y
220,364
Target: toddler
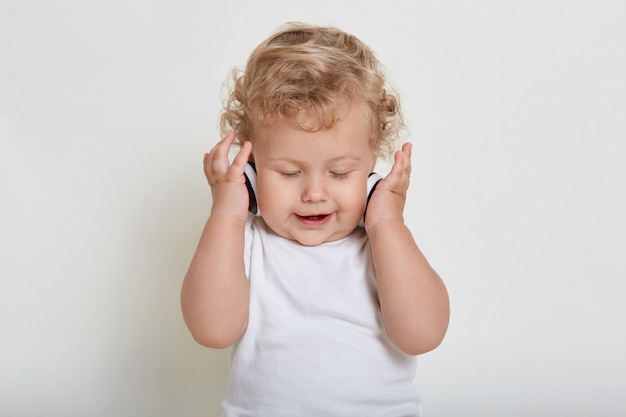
x,y
323,295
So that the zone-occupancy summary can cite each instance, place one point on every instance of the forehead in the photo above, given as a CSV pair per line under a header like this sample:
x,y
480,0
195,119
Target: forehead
x,y
348,137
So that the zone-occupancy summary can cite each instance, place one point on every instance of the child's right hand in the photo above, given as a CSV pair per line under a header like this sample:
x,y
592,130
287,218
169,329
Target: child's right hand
x,y
227,181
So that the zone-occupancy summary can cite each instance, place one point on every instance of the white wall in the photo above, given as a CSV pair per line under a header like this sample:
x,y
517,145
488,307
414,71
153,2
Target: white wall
x,y
516,111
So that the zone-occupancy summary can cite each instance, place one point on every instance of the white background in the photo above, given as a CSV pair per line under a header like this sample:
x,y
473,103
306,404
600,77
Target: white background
x,y
517,113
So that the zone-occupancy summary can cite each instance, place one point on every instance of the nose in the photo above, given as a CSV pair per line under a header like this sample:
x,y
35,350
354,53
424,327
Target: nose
x,y
315,190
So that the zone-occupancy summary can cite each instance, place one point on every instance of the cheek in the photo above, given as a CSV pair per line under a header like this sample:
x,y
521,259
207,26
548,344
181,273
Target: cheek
x,y
272,195
352,196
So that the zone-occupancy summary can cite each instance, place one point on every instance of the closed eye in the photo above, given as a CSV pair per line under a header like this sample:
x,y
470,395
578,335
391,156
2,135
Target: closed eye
x,y
339,175
289,174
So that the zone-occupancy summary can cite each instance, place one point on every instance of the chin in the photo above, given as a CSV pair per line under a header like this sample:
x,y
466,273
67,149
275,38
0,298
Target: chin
x,y
311,242
318,240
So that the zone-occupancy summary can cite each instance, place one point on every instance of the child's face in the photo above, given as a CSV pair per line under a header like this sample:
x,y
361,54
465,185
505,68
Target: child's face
x,y
312,185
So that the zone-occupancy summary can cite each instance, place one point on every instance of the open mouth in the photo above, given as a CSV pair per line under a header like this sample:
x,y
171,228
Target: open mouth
x,y
314,219
317,217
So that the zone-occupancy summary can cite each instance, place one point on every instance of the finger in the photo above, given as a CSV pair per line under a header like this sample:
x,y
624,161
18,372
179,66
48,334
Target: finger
x,y
219,154
206,167
399,177
397,169
402,161
239,162
407,150
226,142
217,158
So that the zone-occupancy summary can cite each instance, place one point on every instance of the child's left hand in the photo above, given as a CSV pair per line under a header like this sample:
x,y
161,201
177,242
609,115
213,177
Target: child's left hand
x,y
388,199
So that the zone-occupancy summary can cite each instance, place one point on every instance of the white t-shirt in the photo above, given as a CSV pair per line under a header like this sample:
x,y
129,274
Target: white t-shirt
x,y
315,344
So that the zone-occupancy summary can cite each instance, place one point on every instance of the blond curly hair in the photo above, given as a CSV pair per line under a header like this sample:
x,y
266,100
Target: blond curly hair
x,y
311,71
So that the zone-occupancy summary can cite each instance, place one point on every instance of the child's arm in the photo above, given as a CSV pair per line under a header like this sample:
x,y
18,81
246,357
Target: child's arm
x,y
413,299
215,292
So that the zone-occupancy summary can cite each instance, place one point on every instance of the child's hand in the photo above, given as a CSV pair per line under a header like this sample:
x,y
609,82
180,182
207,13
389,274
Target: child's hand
x,y
387,201
227,181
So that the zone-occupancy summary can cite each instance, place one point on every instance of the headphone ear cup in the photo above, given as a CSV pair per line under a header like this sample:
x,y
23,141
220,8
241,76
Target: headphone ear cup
x,y
372,182
250,173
